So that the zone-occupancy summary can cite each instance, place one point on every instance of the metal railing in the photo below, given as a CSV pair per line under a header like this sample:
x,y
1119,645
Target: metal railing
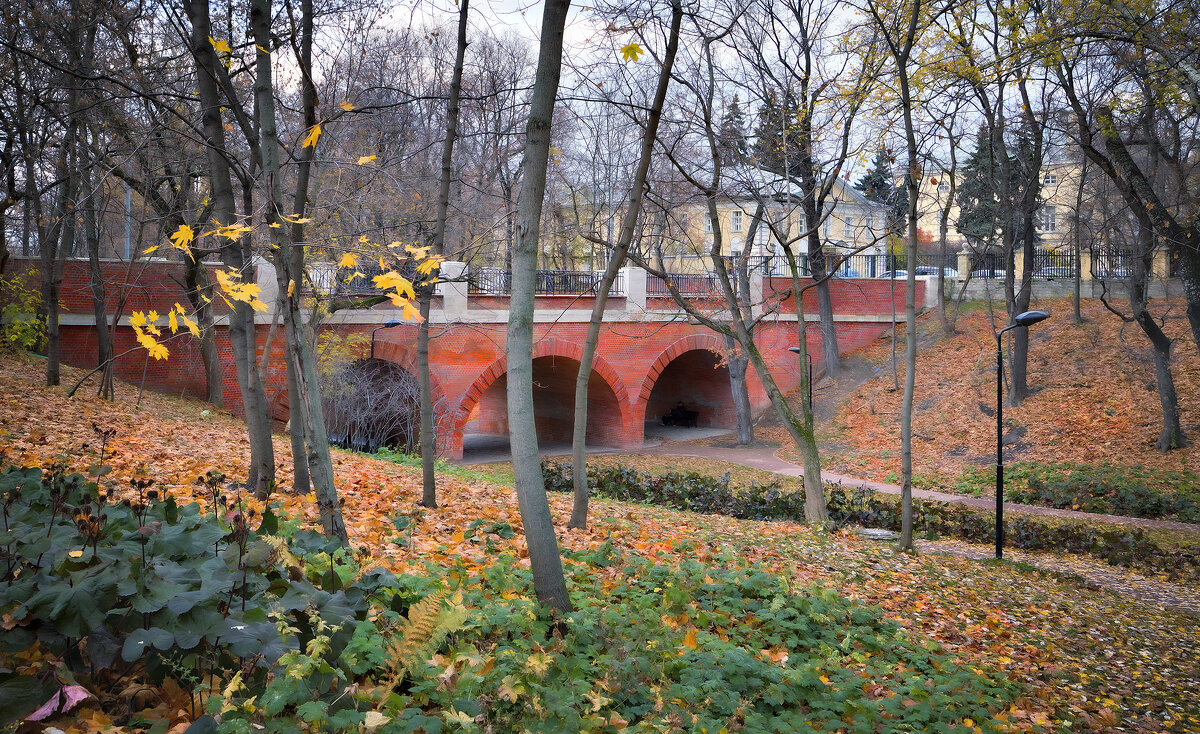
x,y
1052,264
498,282
696,285
1114,264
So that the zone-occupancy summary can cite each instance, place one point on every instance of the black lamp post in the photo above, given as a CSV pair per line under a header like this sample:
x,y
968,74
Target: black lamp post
x,y
796,350
386,325
1025,319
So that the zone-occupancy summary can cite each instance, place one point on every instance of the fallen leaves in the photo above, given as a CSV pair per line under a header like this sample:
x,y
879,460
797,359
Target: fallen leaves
x,y
1072,648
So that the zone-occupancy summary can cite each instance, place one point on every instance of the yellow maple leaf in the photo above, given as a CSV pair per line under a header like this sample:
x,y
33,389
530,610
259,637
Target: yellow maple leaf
x,y
345,105
356,274
310,140
222,46
417,252
364,160
410,312
191,326
428,265
172,322
291,288
631,51
149,250
230,231
182,239
349,260
393,281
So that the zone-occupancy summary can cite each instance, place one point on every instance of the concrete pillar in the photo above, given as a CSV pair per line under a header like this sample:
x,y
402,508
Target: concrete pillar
x,y
964,264
264,278
635,288
756,293
933,296
1018,265
1085,266
453,290
1162,265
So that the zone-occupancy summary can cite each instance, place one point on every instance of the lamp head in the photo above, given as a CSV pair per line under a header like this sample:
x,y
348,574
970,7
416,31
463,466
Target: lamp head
x,y
1030,317
390,324
794,350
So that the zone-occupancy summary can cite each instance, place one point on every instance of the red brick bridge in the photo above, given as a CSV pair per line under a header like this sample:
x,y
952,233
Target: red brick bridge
x,y
650,357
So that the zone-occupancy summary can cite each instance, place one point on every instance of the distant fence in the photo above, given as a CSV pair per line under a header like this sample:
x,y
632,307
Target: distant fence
x,y
498,281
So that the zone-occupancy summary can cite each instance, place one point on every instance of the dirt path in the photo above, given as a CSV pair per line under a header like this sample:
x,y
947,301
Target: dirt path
x,y
1182,597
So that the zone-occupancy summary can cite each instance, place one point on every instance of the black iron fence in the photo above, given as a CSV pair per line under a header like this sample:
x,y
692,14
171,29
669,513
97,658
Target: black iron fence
x,y
1053,264
695,285
988,265
498,281
1113,264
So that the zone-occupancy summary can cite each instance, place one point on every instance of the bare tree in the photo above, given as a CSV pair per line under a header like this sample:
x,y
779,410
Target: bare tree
x,y
548,581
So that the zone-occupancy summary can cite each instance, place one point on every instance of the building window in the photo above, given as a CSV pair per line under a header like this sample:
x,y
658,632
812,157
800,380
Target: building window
x,y
735,220
944,187
707,224
1048,219
802,223
1050,179
828,228
848,227
762,234
869,223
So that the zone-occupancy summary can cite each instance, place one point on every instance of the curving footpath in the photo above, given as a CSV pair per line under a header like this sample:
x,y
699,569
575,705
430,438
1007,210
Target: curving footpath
x,y
1179,596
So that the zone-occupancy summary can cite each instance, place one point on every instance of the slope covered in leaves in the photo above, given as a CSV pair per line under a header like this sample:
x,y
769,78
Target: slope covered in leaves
x,y
1094,399
1087,660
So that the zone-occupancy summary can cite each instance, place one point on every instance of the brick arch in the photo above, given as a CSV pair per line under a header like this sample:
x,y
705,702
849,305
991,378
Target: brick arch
x,y
547,347
405,355
690,343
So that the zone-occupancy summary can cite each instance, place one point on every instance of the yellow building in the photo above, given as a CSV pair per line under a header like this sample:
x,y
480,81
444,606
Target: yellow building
x,y
853,225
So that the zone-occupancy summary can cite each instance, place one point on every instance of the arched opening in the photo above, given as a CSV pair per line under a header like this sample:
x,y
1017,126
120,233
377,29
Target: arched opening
x,y
371,403
700,381
485,433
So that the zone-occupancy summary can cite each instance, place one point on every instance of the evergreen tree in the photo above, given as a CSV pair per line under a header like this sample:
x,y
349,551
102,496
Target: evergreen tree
x,y
877,184
731,136
980,213
775,144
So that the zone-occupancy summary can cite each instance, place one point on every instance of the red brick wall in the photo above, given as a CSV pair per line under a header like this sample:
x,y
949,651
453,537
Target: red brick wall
x,y
857,296
642,368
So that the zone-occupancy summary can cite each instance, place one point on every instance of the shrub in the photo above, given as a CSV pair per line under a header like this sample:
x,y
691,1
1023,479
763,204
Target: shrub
x,y
20,326
1133,491
145,586
691,647
1119,545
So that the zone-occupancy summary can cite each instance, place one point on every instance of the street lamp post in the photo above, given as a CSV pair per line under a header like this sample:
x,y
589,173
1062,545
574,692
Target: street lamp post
x,y
796,350
386,325
1025,319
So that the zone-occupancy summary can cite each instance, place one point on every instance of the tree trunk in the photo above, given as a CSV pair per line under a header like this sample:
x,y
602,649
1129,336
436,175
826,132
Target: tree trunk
x,y
104,350
548,581
803,431
739,389
235,254
428,438
199,291
290,256
617,259
819,264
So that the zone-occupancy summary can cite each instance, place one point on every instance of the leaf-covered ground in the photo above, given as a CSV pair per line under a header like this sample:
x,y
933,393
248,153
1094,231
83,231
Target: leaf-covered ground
x,y
1089,660
1094,398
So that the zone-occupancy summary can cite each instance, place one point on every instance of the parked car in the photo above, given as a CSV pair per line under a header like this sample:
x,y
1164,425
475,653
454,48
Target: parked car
x,y
1114,273
1053,273
848,273
931,270
893,274
989,274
